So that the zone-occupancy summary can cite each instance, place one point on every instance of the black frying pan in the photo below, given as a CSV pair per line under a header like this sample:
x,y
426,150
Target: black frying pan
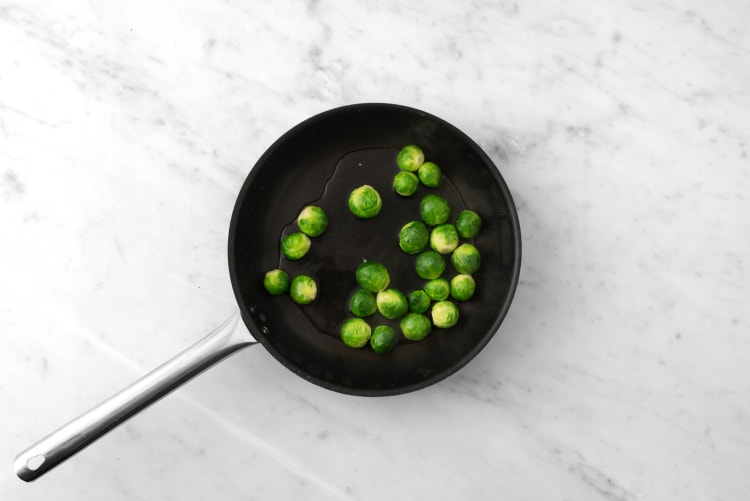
x,y
320,161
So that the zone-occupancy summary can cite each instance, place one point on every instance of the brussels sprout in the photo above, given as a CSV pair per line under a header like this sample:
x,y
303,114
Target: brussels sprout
x,y
430,175
362,303
410,158
383,339
419,301
392,304
303,289
312,221
415,326
295,245
444,314
444,238
276,282
434,209
355,332
429,265
438,289
413,237
372,276
468,223
466,259
365,202
405,183
462,287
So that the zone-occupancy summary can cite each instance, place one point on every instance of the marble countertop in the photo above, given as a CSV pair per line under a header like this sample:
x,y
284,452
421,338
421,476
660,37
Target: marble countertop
x,y
622,371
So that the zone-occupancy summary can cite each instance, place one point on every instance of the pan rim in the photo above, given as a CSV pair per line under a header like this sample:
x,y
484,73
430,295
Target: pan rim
x,y
515,267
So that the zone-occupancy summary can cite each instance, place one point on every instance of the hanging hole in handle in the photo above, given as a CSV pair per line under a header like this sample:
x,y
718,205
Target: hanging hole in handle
x,y
36,462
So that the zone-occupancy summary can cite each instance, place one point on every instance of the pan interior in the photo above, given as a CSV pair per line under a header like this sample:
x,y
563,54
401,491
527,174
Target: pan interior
x,y
319,162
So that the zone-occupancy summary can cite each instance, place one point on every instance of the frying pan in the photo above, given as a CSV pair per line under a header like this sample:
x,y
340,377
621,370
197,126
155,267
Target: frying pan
x,y
319,162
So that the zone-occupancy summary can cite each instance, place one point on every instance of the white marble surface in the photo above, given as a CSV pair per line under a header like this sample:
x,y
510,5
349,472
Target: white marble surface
x,y
622,371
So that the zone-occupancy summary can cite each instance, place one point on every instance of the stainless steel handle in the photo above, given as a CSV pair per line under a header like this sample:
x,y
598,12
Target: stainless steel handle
x,y
52,450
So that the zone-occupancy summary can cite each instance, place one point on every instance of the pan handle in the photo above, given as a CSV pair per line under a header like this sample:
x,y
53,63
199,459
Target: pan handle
x,y
52,450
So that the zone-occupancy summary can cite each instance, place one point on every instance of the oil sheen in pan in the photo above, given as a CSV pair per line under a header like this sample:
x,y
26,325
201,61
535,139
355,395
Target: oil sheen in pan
x,y
349,241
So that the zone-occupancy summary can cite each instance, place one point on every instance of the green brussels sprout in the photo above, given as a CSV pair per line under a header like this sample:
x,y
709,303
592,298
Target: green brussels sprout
x,y
405,183
410,158
392,303
434,209
276,282
468,223
365,202
303,289
429,265
295,245
383,339
466,259
462,287
355,332
430,175
312,221
415,326
413,237
419,301
444,238
362,303
437,289
372,276
444,314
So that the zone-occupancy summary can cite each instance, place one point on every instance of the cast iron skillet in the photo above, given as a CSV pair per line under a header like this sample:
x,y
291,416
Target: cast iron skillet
x,y
320,161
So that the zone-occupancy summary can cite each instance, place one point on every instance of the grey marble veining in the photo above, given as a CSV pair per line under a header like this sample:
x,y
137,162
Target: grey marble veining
x,y
622,371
